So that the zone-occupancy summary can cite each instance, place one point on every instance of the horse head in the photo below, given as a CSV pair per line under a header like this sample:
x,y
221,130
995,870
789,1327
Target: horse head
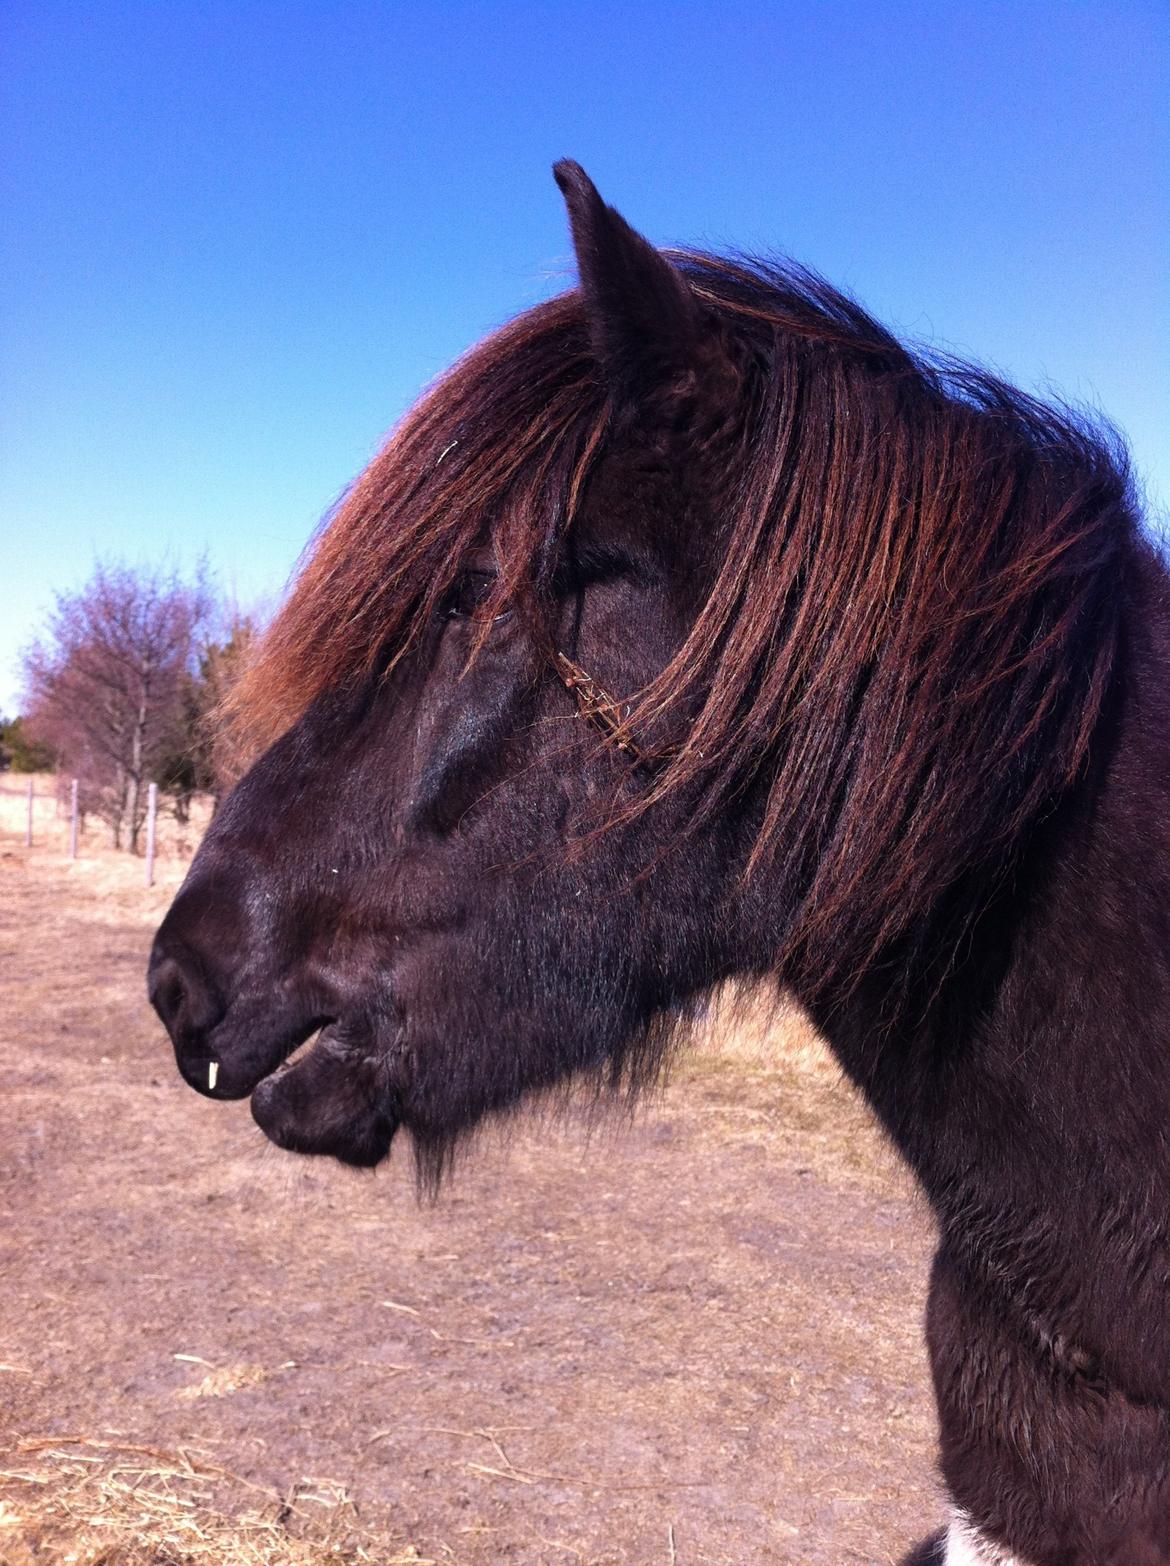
x,y
688,628
445,863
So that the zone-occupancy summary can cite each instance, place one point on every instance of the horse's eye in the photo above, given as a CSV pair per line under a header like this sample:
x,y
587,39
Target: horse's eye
x,y
469,595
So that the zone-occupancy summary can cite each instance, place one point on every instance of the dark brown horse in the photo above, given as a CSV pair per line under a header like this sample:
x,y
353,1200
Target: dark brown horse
x,y
693,627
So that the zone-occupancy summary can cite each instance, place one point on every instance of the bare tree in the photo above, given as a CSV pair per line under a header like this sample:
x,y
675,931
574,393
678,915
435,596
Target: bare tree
x,y
221,666
209,760
106,684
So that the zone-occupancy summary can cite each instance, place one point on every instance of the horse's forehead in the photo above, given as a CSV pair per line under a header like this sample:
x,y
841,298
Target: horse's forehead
x,y
634,494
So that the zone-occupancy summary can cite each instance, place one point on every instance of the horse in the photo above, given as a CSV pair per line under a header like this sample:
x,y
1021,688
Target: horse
x,y
694,629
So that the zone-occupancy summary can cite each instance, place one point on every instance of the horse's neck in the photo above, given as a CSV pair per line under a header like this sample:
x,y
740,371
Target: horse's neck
x,y
1034,1104
1058,1017
1082,1019
1087,990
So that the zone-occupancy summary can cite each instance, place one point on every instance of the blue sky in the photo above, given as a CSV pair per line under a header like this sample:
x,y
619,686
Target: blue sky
x,y
238,239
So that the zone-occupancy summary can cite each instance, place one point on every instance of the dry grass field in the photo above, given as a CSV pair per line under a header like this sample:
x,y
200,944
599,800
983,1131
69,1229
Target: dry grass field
x,y
693,1338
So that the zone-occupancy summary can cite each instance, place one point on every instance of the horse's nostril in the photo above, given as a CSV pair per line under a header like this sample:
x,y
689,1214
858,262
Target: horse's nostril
x,y
172,996
166,990
185,1003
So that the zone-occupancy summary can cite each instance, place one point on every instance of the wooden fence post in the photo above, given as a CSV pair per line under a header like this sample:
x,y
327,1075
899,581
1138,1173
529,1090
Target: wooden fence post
x,y
151,822
73,819
28,828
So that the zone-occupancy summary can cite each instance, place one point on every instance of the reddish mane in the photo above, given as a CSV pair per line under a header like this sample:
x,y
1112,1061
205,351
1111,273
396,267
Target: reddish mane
x,y
912,623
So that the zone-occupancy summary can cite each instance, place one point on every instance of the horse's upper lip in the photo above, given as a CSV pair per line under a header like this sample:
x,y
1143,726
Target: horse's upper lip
x,y
318,1035
226,1068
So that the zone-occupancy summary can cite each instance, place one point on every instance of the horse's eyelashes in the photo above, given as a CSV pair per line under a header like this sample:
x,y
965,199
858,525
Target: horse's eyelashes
x,y
469,595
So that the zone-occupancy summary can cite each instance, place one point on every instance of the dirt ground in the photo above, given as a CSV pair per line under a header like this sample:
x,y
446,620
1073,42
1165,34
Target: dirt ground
x,y
690,1339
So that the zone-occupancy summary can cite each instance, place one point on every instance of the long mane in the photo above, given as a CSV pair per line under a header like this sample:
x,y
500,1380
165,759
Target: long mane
x,y
913,620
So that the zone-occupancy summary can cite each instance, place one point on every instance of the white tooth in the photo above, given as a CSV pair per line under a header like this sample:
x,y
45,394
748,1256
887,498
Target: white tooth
x,y
212,1074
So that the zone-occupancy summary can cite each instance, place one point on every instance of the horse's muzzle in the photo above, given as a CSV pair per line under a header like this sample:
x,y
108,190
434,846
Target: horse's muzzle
x,y
222,1049
234,1021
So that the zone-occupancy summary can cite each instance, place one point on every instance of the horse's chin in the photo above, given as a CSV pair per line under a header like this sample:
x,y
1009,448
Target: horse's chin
x,y
326,1103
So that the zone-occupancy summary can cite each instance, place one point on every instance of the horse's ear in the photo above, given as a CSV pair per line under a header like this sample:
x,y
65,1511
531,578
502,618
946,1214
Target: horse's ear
x,y
647,326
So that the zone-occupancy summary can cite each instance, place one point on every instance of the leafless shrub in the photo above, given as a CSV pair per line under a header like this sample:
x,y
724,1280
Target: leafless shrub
x,y
107,685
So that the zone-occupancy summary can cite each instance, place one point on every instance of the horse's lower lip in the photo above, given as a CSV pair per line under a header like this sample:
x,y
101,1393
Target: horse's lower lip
x,y
325,1102
261,1098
